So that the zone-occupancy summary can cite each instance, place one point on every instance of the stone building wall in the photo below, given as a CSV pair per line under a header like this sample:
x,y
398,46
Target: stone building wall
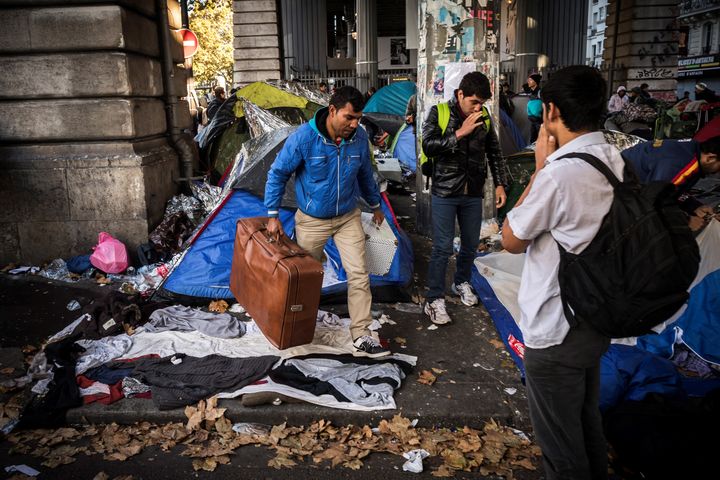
x,y
257,41
83,145
645,45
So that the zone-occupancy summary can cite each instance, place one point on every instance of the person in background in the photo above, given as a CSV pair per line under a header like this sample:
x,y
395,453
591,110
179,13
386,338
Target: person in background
x,y
618,101
505,95
564,203
702,92
323,87
371,91
681,162
461,154
534,106
411,111
216,102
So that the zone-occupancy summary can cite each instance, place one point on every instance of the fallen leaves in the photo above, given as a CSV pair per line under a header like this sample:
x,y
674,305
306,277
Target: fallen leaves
x,y
218,306
205,410
497,343
426,377
209,439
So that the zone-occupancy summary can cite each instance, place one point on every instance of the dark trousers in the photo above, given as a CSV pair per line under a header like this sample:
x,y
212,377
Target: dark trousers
x,y
468,211
535,124
563,385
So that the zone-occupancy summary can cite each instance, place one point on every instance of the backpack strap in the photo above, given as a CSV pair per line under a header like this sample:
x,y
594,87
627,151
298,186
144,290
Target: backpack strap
x,y
443,116
598,164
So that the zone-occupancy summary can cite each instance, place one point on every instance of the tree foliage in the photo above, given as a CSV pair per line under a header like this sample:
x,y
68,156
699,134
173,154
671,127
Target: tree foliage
x,y
212,22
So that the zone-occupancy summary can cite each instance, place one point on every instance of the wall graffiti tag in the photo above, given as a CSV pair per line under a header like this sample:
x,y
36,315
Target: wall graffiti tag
x,y
654,73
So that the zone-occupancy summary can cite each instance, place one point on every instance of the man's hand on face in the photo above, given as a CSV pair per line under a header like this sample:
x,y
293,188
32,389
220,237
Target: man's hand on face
x,y
275,229
378,217
706,211
500,196
544,147
469,125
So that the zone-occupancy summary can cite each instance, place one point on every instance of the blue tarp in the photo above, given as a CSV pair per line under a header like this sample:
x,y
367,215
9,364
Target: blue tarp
x,y
391,99
204,271
627,372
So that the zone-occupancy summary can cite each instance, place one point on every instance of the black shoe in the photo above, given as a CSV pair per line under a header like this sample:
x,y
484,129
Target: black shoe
x,y
367,346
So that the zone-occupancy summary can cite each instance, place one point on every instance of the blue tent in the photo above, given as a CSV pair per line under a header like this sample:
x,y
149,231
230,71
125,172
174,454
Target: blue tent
x,y
391,99
203,271
403,147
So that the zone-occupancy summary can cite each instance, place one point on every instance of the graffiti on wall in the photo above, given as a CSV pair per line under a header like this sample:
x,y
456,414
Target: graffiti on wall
x,y
664,46
653,73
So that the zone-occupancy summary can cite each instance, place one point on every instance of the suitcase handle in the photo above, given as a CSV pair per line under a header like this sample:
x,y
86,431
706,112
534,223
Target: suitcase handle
x,y
283,244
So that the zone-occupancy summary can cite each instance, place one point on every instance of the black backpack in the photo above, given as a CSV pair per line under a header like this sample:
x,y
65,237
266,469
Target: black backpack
x,y
636,272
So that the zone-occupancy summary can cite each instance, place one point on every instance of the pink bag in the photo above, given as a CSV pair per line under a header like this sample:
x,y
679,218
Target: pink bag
x,y
109,255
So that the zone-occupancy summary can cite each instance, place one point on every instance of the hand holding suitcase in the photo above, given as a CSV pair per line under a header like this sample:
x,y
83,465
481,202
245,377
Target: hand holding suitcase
x,y
277,282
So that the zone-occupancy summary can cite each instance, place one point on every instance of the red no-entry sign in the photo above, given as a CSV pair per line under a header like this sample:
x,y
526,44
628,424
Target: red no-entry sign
x,y
190,42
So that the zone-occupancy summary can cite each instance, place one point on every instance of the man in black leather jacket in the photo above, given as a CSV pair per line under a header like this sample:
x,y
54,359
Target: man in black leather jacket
x,y
461,156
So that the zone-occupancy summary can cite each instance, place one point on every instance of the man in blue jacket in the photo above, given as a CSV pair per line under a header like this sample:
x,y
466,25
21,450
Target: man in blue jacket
x,y
682,162
330,158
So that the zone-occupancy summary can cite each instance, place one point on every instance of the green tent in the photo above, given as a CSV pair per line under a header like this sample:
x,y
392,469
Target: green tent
x,y
228,130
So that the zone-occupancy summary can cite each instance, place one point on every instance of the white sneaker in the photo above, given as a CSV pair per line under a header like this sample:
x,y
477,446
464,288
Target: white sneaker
x,y
466,294
436,311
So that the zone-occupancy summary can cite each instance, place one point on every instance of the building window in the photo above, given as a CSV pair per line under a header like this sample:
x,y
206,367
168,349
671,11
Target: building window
x,y
602,13
595,18
594,50
707,34
683,41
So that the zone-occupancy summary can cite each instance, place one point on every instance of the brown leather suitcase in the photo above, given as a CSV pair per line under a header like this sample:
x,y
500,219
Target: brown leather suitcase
x,y
277,282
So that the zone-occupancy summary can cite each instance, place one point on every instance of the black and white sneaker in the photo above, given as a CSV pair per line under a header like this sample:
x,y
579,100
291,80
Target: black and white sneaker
x,y
367,346
466,294
437,312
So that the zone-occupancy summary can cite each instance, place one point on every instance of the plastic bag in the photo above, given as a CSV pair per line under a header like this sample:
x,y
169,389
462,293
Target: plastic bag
x,y
109,255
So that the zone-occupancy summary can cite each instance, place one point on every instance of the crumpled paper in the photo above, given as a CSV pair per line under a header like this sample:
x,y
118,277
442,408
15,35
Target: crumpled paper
x,y
414,460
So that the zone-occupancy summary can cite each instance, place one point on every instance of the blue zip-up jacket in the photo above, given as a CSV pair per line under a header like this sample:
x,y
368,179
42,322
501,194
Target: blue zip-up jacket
x,y
329,178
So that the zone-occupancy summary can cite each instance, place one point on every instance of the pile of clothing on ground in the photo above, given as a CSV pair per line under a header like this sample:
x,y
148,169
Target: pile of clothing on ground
x,y
127,346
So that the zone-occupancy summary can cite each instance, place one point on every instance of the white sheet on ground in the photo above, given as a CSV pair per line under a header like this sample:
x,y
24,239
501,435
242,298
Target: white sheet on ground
x,y
332,337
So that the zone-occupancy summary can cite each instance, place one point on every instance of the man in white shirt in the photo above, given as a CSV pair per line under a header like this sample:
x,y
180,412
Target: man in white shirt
x,y
564,203
618,101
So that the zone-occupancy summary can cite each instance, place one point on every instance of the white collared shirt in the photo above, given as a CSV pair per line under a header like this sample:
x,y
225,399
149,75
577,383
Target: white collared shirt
x,y
567,202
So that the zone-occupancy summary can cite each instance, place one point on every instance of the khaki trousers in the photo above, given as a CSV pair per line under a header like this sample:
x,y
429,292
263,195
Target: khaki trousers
x,y
347,232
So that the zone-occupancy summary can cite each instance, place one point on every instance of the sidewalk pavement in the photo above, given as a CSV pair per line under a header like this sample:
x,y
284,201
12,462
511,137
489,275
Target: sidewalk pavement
x,y
479,380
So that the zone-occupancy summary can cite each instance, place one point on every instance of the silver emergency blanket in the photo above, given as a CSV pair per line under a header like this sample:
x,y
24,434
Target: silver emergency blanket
x,y
297,88
261,121
621,140
209,195
249,172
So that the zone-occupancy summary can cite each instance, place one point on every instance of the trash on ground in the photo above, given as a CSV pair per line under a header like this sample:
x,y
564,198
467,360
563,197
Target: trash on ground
x,y
408,307
56,270
251,428
73,305
26,269
236,308
414,460
24,469
109,255
432,327
510,390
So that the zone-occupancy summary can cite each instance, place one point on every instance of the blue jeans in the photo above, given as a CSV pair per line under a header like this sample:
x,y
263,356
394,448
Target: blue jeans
x,y
468,211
